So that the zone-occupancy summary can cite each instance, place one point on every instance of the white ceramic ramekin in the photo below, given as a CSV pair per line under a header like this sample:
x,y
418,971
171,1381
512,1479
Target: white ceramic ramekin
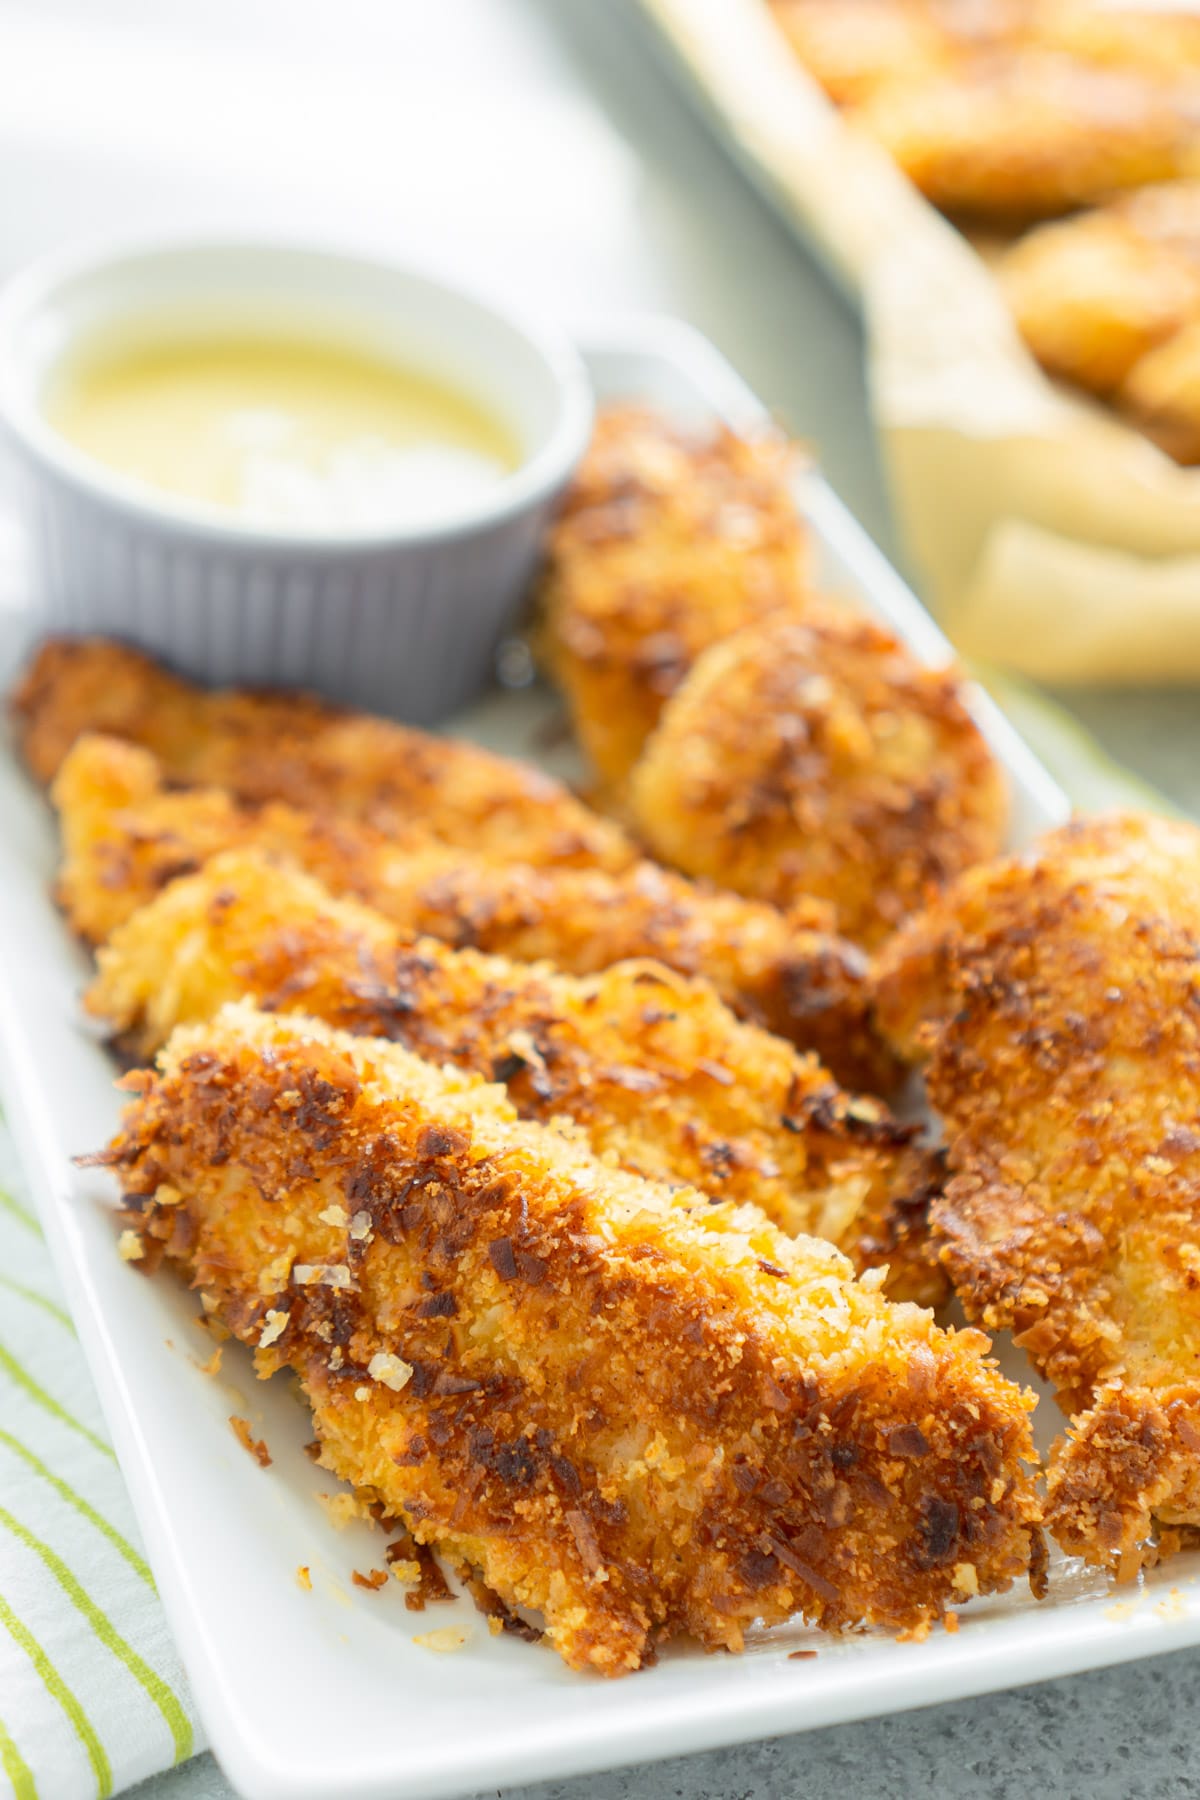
x,y
403,621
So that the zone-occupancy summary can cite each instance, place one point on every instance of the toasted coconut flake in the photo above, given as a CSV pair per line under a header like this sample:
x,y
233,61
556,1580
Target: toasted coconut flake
x,y
966,1578
333,1275
276,1273
130,1247
391,1370
341,1508
274,1328
445,1640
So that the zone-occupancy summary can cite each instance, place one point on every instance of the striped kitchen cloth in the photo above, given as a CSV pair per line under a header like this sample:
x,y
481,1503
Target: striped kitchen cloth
x,y
92,1692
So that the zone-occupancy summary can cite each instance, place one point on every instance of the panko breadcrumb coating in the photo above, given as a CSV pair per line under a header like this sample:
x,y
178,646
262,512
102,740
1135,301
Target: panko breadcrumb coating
x,y
1010,110
853,47
667,543
297,748
1160,39
1029,134
1057,996
1093,294
653,1068
817,1449
125,835
820,757
1111,300
1161,395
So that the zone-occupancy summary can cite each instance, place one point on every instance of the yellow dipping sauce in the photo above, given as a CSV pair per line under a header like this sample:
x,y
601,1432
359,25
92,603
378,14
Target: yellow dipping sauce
x,y
284,432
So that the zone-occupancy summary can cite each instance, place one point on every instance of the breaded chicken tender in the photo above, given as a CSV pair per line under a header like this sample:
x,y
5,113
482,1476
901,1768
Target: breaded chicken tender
x,y
125,836
1057,996
294,747
1161,394
855,47
1162,40
1008,111
635,1412
820,757
1031,134
1093,294
653,1068
667,543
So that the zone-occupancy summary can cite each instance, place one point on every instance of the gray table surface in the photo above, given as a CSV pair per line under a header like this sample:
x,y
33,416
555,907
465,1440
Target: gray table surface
x,y
612,195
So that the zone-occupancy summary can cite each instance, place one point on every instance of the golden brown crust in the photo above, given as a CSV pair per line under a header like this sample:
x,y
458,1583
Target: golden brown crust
x,y
296,748
820,757
497,1358
653,1068
1029,135
1156,40
1093,294
1014,110
855,47
1129,1473
1061,994
666,544
125,836
1162,395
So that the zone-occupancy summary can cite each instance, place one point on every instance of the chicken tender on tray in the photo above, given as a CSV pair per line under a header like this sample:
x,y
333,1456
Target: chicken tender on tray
x,y
820,757
635,1412
1093,294
653,1068
294,747
1010,110
1031,134
125,836
856,47
1057,995
1162,395
1161,39
667,543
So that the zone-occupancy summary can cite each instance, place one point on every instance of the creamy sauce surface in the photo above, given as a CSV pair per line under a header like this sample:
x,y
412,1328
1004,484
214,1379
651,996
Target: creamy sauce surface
x,y
290,432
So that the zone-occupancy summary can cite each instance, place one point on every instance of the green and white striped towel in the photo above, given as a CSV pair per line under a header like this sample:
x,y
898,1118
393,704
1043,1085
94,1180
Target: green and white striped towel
x,y
92,1694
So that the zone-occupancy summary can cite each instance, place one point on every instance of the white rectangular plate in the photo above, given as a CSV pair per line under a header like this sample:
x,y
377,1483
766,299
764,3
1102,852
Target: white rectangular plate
x,y
325,1693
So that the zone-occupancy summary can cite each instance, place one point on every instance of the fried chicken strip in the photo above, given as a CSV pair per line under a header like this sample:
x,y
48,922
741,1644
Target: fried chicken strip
x,y
666,544
656,1072
1093,294
855,47
125,835
297,748
1161,394
818,756
633,1411
1057,996
1032,133
1007,110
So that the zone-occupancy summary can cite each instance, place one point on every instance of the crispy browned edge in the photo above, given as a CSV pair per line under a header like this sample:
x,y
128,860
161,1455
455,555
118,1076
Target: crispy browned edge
x,y
817,1450
1073,1212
